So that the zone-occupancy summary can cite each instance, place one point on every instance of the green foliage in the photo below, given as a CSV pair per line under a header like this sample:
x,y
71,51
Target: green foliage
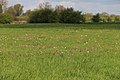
x,y
50,16
15,10
18,8
83,19
53,18
102,17
60,52
43,16
5,18
109,19
117,19
96,18
11,11
27,13
21,18
45,13
70,16
87,17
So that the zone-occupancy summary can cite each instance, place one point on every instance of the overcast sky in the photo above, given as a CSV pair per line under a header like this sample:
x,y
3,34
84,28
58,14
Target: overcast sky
x,y
92,6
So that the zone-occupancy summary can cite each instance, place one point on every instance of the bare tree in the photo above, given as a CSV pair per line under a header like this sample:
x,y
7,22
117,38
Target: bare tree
x,y
18,8
3,4
59,8
45,5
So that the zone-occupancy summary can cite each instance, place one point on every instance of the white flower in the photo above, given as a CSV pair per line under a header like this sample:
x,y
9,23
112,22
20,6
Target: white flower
x,y
88,51
86,35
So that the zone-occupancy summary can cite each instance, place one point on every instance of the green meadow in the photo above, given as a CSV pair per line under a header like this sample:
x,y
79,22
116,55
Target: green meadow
x,y
60,52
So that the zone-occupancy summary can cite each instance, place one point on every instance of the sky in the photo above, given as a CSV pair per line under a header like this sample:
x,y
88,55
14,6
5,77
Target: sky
x,y
91,6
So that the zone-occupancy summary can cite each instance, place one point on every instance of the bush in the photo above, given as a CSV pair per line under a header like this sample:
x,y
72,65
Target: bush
x,y
70,16
5,18
96,18
43,16
21,18
50,16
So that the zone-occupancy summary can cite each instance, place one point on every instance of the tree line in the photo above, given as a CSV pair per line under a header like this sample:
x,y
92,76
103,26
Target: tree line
x,y
45,13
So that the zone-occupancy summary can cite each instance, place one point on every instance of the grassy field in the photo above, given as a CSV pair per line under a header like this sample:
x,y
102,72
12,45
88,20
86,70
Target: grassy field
x,y
60,52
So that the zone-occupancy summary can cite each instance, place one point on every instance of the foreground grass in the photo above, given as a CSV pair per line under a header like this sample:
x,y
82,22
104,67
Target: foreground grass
x,y
60,52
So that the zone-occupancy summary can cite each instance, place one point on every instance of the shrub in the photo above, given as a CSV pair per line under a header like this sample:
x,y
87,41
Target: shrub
x,y
117,19
21,18
96,18
5,18
51,16
43,16
70,16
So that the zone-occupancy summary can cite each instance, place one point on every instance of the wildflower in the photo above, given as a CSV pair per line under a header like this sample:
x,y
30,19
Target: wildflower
x,y
88,51
86,35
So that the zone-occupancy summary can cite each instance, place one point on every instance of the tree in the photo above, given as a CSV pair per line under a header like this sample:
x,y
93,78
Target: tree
x,y
3,4
43,16
59,8
18,9
5,18
45,5
46,14
70,16
11,11
104,14
83,19
117,19
88,16
109,19
54,17
15,10
96,18
0,8
27,13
